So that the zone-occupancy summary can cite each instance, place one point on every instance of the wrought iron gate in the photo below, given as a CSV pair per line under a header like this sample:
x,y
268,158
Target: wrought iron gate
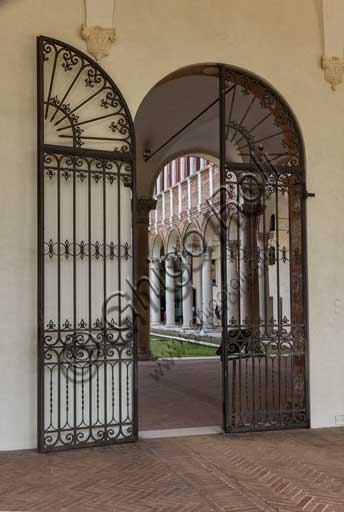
x,y
86,170
262,219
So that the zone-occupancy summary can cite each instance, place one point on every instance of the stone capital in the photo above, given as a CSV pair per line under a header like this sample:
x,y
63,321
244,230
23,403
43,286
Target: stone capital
x,y
154,262
233,246
185,255
334,70
143,206
265,237
252,208
208,251
170,260
99,40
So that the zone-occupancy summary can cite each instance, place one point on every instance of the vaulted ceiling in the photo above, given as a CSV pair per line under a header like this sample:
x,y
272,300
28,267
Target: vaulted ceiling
x,y
257,122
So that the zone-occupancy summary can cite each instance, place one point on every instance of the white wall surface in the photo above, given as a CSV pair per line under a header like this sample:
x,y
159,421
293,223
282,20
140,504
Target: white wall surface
x,y
279,40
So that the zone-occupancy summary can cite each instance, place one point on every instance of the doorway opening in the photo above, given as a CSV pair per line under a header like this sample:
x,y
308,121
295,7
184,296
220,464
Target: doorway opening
x,y
181,386
251,236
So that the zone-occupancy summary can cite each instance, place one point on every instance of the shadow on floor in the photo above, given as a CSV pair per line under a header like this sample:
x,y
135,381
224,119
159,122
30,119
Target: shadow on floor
x,y
179,394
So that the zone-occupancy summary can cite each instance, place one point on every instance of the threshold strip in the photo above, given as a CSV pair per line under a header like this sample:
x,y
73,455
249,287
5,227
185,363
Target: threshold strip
x,y
179,432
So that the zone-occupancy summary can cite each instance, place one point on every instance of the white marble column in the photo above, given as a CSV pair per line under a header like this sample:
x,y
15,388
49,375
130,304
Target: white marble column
x,y
158,184
199,191
163,207
263,274
233,283
245,272
174,172
189,194
197,283
211,184
170,290
192,165
166,184
183,168
154,281
171,205
207,290
179,199
187,290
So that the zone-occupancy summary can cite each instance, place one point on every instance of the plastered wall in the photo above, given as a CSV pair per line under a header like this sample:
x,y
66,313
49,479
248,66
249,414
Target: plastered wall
x,y
277,39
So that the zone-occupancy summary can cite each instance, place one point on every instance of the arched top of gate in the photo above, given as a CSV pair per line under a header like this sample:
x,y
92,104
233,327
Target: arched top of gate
x,y
260,125
81,106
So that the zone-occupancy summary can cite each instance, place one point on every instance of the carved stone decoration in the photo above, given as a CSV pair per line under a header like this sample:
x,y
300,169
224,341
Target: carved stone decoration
x,y
334,70
99,40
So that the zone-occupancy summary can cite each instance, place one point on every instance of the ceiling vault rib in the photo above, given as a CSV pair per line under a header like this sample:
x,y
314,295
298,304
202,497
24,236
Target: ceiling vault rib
x,y
170,139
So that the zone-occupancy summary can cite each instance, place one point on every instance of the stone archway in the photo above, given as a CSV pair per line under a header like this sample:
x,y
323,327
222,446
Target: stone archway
x,y
243,122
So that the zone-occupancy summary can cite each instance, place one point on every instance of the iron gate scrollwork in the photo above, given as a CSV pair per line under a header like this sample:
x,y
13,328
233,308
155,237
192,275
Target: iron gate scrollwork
x,y
262,213
86,172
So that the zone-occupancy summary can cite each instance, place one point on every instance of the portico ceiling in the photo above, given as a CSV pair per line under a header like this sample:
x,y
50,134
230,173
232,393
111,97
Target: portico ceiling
x,y
257,121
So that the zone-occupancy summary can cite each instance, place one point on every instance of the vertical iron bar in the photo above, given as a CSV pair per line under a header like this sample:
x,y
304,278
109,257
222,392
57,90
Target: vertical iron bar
x,y
279,325
59,285
304,249
74,337
134,276
223,239
237,387
266,299
94,348
120,349
40,246
105,341
290,239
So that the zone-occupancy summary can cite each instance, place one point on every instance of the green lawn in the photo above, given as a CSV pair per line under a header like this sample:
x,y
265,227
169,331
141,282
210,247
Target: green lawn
x,y
163,347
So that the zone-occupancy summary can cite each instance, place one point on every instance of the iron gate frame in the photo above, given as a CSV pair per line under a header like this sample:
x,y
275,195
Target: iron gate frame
x,y
285,119
301,172
73,151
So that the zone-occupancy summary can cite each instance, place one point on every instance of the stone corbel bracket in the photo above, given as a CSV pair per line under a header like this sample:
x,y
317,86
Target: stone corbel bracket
x,y
334,70
99,40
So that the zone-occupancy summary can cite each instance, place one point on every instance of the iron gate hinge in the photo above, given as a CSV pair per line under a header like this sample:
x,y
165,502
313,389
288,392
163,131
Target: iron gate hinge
x,y
306,194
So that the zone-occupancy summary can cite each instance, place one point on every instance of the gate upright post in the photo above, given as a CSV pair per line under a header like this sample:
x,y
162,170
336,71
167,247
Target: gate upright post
x,y
223,241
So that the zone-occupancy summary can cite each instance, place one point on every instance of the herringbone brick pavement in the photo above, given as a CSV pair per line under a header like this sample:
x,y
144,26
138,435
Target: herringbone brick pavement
x,y
267,472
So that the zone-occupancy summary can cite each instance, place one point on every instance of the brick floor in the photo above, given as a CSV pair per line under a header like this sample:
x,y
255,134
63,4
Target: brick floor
x,y
266,472
188,393
180,394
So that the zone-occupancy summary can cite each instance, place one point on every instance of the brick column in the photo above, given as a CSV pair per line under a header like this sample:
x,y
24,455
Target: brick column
x,y
142,296
250,281
297,292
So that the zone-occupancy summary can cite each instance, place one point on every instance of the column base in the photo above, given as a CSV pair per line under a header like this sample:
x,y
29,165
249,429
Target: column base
x,y
144,354
206,328
171,325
